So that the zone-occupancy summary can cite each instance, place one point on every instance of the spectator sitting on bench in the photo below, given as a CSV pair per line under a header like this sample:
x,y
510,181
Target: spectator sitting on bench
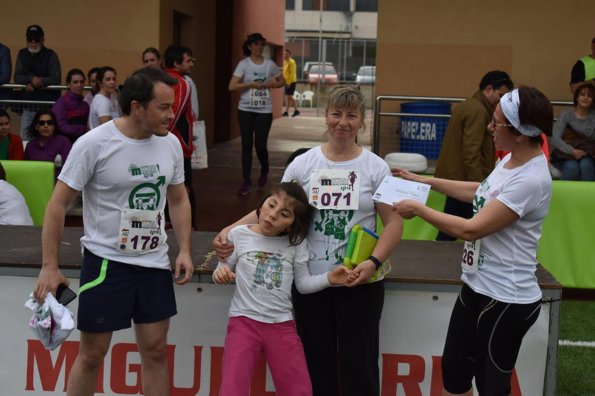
x,y
11,145
13,208
46,144
573,137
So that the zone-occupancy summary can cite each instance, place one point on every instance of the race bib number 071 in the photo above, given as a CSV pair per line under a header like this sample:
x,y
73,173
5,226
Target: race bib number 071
x,y
336,189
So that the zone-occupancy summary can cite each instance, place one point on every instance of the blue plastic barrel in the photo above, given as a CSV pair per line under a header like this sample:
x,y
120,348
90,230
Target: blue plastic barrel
x,y
423,135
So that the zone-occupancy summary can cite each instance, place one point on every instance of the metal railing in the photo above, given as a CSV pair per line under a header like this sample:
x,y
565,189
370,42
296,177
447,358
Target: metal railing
x,y
388,126
17,104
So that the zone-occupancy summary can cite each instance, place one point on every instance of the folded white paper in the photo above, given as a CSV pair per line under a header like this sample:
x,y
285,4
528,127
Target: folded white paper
x,y
394,189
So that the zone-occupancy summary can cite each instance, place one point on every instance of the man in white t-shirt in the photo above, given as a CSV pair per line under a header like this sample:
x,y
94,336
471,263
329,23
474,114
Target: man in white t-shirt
x,y
13,208
125,168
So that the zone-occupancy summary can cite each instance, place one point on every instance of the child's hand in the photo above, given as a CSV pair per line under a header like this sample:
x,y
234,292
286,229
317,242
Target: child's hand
x,y
223,274
339,275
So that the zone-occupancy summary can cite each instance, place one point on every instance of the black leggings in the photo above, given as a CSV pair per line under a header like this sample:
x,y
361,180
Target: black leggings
x,y
483,341
255,129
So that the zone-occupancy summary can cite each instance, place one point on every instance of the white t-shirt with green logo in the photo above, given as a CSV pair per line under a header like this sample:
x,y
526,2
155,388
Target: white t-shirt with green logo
x,y
116,173
330,229
256,100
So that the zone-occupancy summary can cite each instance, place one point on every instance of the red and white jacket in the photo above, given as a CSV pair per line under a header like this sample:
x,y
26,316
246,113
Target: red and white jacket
x,y
183,117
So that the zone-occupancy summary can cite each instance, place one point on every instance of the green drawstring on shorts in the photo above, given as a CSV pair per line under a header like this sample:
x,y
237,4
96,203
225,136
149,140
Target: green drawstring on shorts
x,y
97,281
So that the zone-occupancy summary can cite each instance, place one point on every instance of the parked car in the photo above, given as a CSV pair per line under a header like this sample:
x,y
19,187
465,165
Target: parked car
x,y
366,75
308,65
325,73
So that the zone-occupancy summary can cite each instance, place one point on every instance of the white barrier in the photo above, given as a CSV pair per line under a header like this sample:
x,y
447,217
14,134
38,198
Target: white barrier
x,y
413,327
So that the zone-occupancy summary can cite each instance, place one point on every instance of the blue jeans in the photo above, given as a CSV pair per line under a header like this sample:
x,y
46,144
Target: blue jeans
x,y
583,169
26,120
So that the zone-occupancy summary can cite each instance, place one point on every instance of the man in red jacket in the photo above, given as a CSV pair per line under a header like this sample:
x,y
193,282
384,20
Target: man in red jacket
x,y
178,61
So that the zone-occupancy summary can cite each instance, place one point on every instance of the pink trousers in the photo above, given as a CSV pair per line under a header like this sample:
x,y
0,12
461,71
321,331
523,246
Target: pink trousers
x,y
246,339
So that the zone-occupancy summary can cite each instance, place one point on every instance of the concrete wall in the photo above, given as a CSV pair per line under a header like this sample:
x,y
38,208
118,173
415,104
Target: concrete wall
x,y
434,47
87,34
443,48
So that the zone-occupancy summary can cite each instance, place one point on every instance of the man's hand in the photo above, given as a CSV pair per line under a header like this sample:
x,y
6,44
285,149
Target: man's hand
x,y
184,267
37,82
48,281
222,246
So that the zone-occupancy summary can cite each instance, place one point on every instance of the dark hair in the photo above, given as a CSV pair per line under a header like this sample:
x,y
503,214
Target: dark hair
x,y
74,72
252,38
589,87
288,50
33,131
302,211
535,109
93,70
101,74
3,113
2,172
295,154
151,50
496,79
175,54
140,87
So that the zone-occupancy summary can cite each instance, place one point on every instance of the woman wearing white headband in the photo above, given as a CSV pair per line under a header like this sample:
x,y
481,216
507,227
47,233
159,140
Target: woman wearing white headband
x,y
500,299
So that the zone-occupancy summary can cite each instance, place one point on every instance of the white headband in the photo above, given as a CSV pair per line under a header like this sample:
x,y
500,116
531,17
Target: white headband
x,y
510,107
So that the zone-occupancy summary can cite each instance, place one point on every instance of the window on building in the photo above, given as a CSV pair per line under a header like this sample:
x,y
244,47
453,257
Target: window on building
x,y
290,4
366,5
327,5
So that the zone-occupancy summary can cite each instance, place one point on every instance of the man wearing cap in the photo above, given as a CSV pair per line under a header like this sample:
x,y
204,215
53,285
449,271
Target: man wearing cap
x,y
467,151
36,67
584,69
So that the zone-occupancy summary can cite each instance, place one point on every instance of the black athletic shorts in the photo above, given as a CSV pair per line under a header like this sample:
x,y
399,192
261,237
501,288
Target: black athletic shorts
x,y
290,89
111,294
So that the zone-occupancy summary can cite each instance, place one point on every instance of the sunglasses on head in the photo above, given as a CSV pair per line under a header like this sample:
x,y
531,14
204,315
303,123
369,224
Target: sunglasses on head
x,y
45,122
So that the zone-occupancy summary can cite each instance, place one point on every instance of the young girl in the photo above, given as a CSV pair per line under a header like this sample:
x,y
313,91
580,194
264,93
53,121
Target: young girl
x,y
268,257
